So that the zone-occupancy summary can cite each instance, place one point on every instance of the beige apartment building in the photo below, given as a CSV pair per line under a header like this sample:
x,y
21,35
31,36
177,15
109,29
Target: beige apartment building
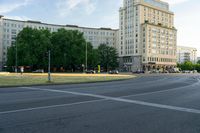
x,y
147,36
186,54
9,29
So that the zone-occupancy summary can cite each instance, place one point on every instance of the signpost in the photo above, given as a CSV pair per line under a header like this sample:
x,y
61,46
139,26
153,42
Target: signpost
x,y
99,69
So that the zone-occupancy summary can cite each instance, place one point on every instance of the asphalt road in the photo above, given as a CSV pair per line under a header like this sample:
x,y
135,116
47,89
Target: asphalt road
x,y
147,104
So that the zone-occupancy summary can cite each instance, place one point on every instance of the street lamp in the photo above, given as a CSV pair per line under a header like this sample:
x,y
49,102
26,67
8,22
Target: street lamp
x,y
16,63
86,56
194,54
49,66
180,56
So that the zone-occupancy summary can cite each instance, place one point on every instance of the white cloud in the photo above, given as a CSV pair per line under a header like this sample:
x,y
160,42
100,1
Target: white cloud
x,y
174,2
9,7
65,7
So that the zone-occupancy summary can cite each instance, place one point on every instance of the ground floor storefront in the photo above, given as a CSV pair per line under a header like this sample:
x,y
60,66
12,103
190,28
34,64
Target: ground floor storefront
x,y
159,68
135,64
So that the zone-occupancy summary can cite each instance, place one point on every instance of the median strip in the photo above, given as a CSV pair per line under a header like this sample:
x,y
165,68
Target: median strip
x,y
12,79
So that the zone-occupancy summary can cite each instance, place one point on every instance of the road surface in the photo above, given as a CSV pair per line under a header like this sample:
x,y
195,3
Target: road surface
x,y
147,104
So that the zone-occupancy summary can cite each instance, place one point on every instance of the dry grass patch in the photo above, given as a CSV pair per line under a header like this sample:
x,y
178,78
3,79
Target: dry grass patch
x,y
12,79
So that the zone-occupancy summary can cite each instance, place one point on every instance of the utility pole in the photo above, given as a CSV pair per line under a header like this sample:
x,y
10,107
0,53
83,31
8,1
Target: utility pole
x,y
16,62
180,56
194,54
86,56
49,66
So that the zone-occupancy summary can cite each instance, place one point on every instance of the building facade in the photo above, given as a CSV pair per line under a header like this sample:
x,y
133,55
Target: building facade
x,y
147,36
10,28
186,54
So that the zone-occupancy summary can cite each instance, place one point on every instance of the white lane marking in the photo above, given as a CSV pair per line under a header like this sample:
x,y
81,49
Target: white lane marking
x,y
47,107
162,106
161,91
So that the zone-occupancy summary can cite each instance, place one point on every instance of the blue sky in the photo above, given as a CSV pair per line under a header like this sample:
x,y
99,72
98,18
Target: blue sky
x,y
101,13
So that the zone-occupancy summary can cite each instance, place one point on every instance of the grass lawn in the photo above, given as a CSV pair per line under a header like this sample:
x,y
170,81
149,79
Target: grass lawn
x,y
11,79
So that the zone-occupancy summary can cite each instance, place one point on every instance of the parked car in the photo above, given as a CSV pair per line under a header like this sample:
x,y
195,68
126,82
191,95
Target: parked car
x,y
90,72
114,72
165,71
155,71
186,71
39,71
138,72
195,71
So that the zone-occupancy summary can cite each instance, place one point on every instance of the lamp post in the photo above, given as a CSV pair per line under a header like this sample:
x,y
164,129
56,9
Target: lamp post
x,y
180,56
86,56
16,62
195,56
49,66
194,53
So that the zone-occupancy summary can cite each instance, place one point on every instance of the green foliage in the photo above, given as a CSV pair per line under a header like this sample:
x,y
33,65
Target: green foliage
x,y
68,51
108,57
189,66
93,58
197,67
11,56
31,44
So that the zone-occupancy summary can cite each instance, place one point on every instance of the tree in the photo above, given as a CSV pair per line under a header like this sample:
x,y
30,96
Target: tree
x,y
197,67
68,49
11,58
108,57
31,44
186,66
92,56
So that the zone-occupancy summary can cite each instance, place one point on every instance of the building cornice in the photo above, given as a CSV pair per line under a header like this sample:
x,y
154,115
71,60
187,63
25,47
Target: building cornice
x,y
70,26
159,25
186,47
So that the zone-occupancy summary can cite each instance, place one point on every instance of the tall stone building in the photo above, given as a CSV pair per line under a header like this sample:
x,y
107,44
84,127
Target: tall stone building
x,y
147,36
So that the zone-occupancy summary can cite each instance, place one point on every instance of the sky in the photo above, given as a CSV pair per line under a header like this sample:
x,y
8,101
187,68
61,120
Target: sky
x,y
101,13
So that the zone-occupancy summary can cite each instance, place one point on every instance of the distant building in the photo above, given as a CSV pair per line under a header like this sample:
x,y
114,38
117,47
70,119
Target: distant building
x,y
9,29
186,54
147,35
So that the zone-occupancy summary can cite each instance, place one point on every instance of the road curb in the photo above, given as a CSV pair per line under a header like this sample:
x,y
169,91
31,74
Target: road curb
x,y
49,84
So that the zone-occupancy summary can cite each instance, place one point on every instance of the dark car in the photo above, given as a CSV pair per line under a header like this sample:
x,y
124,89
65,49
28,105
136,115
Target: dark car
x,y
114,72
138,72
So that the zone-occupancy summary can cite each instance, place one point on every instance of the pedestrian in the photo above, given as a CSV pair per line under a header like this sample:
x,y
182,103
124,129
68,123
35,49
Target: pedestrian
x,y
22,70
